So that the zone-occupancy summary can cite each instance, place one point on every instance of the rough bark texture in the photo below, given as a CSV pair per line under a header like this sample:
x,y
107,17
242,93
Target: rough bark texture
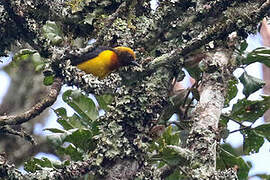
x,y
202,139
162,40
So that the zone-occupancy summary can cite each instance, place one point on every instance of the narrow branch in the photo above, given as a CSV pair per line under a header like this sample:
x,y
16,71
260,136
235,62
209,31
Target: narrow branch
x,y
36,109
21,133
230,118
241,129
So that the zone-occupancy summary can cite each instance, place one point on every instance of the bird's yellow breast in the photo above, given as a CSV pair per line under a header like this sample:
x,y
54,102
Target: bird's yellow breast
x,y
101,65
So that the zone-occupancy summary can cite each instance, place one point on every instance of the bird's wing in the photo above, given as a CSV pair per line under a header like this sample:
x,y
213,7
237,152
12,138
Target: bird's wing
x,y
75,60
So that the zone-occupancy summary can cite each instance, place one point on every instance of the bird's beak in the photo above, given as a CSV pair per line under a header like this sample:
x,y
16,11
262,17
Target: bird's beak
x,y
134,63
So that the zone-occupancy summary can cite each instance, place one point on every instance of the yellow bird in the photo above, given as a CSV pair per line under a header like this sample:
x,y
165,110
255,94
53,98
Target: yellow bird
x,y
102,61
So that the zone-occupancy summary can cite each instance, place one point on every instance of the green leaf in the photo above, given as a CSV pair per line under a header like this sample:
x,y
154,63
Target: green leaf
x,y
169,156
170,137
263,176
104,101
246,110
71,122
225,159
82,138
23,54
252,142
82,104
228,147
194,72
165,149
251,84
38,62
37,164
54,130
68,122
39,67
243,47
48,80
263,130
28,55
176,175
232,92
74,154
52,32
224,119
61,112
261,54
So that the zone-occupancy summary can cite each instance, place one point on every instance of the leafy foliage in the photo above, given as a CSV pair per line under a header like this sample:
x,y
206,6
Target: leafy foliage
x,y
260,54
27,55
48,80
227,158
247,110
232,91
254,138
251,84
53,32
104,101
77,136
38,164
252,142
263,130
23,54
167,150
84,106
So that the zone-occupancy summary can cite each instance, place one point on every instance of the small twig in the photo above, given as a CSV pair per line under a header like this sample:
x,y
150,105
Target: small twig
x,y
241,129
195,85
230,118
36,109
180,125
187,108
185,100
241,125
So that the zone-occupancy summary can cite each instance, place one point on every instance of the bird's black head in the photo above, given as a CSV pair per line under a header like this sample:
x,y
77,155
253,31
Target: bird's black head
x,y
126,56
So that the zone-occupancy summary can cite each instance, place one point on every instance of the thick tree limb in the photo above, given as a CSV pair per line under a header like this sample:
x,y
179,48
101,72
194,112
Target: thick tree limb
x,y
202,139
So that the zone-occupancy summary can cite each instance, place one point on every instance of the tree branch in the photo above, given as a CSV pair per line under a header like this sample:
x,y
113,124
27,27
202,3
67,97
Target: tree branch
x,y
20,133
35,110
